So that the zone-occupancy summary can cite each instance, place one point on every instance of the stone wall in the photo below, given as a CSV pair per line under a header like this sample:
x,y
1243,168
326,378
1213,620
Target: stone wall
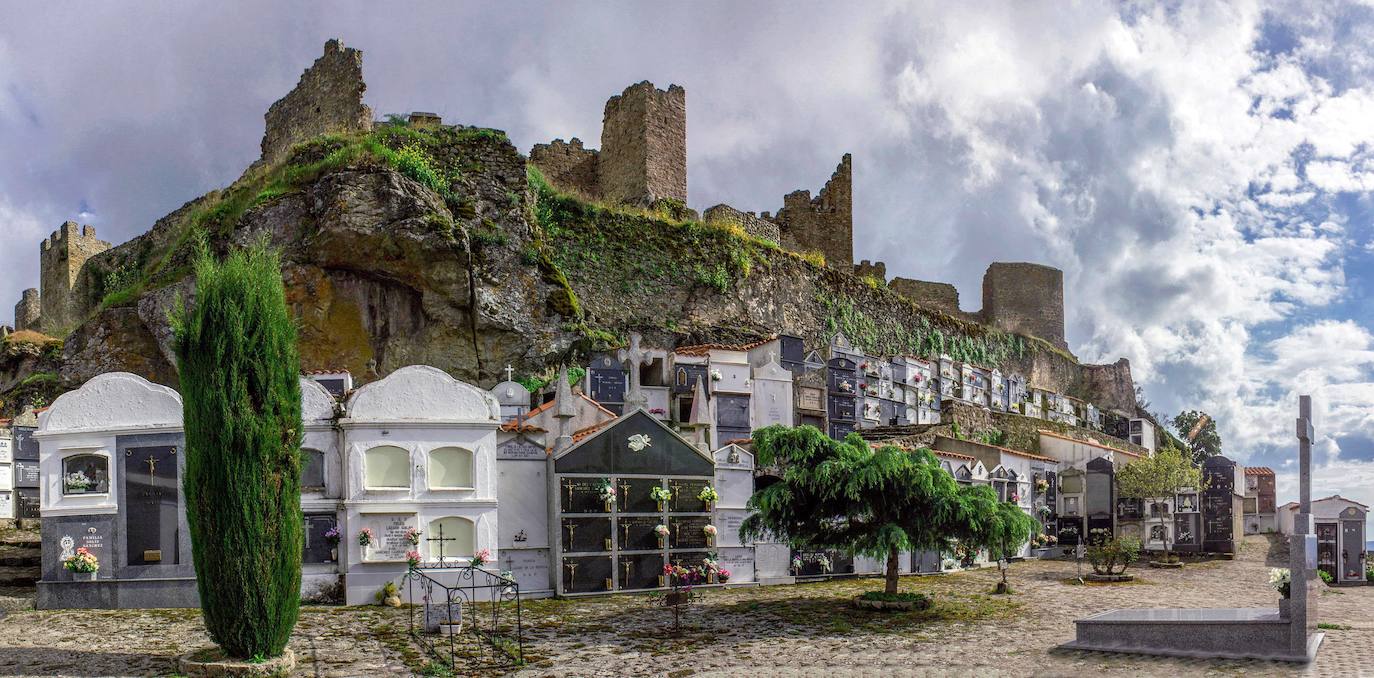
x,y
28,310
61,259
750,222
328,98
876,270
644,145
1025,298
568,166
939,296
1023,433
824,224
1111,386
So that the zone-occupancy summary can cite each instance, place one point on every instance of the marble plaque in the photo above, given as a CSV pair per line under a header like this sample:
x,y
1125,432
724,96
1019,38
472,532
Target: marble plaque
x,y
529,567
636,533
581,495
586,535
6,504
634,494
586,574
6,450
734,487
739,561
640,571
26,474
519,448
389,531
687,533
688,558
811,399
728,522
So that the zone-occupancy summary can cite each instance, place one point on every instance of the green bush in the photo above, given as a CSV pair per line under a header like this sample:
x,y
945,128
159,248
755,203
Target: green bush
x,y
236,348
1326,577
1111,555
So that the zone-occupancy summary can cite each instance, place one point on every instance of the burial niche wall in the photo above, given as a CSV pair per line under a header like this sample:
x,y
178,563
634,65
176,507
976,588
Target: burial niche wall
x,y
628,502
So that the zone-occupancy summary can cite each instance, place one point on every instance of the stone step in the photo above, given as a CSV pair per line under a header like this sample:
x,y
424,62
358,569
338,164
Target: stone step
x,y
18,576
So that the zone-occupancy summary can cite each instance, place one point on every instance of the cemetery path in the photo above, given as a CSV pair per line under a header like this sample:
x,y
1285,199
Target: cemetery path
x,y
797,630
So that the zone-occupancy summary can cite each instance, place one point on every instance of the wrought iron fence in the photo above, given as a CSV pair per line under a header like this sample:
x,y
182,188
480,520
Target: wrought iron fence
x,y
475,622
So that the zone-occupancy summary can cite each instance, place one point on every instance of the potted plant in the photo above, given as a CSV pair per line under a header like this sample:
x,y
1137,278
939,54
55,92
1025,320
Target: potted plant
x,y
332,536
710,531
722,575
661,495
708,495
389,596
1281,580
662,531
83,565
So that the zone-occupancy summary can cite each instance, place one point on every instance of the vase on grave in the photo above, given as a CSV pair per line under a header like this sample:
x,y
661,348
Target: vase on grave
x,y
334,554
662,581
710,577
660,541
83,576
608,506
660,507
608,543
609,584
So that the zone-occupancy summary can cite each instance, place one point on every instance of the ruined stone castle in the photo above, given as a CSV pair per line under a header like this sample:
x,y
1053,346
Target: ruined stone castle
x,y
642,161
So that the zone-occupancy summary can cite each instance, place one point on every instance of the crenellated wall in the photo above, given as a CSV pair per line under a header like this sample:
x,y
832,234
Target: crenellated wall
x,y
822,224
28,310
569,166
750,222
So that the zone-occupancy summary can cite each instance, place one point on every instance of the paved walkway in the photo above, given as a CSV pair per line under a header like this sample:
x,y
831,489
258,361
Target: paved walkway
x,y
802,630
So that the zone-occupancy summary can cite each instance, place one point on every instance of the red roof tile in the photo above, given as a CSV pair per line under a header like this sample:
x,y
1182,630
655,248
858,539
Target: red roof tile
x,y
704,349
1258,471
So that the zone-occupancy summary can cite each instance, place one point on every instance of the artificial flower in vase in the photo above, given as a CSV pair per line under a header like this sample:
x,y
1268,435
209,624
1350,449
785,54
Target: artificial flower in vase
x,y
708,495
710,531
661,495
83,565
662,532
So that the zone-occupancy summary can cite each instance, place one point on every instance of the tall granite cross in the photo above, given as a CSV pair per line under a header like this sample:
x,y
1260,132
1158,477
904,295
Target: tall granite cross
x,y
633,357
1303,637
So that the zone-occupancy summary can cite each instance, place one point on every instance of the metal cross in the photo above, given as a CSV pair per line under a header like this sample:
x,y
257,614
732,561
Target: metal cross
x,y
440,541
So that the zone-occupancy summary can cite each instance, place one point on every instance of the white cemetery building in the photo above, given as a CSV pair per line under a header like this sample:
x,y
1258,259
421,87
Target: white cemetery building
x,y
420,453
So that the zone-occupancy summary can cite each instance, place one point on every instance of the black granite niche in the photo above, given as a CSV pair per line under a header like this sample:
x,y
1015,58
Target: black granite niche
x,y
686,532
586,535
640,571
634,494
150,493
636,533
586,574
581,495
685,495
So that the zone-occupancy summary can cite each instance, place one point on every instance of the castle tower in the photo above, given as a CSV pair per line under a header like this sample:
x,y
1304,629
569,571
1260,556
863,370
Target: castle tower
x,y
1025,298
643,154
27,311
61,257
328,98
824,224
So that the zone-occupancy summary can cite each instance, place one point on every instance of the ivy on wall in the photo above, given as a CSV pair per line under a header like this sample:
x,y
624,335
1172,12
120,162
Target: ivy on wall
x,y
921,337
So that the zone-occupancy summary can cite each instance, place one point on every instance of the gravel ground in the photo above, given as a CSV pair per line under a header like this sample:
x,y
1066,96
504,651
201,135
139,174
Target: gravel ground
x,y
801,630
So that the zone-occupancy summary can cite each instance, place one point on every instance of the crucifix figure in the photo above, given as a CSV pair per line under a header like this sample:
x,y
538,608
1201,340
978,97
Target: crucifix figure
x,y
152,479
510,372
439,540
634,357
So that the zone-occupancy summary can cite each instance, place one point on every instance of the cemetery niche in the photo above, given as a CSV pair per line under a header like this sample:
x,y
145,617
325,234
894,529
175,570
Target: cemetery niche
x,y
111,462
629,502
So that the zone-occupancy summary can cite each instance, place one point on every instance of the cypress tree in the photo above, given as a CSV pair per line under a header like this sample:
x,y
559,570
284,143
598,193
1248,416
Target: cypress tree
x,y
239,370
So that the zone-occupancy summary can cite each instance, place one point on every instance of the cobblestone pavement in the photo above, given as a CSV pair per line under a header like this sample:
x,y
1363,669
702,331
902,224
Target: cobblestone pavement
x,y
801,630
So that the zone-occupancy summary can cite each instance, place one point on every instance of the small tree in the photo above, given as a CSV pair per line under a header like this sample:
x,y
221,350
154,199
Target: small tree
x,y
1198,430
1001,527
848,496
236,349
1160,476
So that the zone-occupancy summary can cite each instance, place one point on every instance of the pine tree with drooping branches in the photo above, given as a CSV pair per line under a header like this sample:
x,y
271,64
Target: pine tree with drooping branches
x,y
239,370
1000,527
849,496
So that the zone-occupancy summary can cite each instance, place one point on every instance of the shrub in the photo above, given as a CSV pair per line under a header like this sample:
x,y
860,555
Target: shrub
x,y
1326,577
236,348
1108,554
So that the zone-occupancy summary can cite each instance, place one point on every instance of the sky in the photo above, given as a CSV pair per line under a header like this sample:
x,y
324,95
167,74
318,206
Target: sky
x,y
1201,172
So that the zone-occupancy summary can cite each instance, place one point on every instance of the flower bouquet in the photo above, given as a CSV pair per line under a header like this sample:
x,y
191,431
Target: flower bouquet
x,y
660,494
83,565
662,531
710,531
412,536
366,537
1281,580
482,557
607,493
412,559
709,495
76,482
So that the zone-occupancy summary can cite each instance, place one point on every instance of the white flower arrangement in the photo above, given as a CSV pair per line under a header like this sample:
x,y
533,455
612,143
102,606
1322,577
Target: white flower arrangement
x,y
716,375
639,441
1280,579
77,482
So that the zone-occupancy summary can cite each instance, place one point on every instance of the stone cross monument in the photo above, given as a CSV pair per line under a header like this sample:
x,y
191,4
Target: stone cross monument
x,y
1302,547
633,357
